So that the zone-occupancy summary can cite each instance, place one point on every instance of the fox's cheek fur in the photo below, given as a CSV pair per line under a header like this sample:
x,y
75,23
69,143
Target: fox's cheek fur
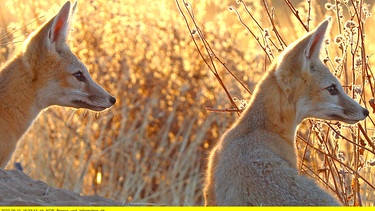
x,y
71,82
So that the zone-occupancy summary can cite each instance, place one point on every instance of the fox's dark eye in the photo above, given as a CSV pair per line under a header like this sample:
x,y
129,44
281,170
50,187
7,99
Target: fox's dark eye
x,y
79,76
332,90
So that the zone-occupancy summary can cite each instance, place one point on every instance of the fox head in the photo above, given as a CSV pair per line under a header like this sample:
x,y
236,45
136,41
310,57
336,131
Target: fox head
x,y
58,77
309,84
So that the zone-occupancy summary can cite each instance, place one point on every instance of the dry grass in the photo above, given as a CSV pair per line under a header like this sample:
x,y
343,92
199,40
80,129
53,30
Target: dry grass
x,y
152,145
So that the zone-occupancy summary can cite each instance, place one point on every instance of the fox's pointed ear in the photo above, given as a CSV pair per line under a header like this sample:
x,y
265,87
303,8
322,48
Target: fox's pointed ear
x,y
60,26
313,48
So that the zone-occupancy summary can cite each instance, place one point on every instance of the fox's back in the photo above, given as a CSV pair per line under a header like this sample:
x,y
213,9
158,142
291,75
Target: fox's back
x,y
256,174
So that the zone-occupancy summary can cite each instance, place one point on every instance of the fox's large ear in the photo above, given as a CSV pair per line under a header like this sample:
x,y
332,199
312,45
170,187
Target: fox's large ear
x,y
60,26
298,56
312,50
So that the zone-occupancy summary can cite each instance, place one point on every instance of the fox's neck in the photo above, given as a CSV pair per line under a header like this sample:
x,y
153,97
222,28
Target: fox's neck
x,y
17,104
271,111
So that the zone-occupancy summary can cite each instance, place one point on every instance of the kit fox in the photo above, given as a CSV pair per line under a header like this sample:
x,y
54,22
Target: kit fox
x,y
44,73
255,161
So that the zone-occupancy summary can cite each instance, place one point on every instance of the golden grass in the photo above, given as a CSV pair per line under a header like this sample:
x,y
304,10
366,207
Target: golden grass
x,y
151,147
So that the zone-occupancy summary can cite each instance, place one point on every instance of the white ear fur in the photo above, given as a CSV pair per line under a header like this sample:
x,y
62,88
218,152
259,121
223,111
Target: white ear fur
x,y
73,9
312,50
60,25
284,79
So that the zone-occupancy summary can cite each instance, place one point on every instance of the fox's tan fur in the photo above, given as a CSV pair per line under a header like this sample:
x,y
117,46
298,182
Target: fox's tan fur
x,y
255,162
44,73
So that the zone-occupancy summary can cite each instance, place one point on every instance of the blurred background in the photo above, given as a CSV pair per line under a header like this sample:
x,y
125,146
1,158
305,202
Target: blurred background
x,y
152,145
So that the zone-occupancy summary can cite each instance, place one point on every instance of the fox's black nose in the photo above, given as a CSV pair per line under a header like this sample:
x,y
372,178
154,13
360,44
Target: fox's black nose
x,y
365,112
112,100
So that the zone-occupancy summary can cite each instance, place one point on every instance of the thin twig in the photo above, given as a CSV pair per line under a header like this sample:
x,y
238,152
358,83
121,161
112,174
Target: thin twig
x,y
335,159
251,32
296,14
3,37
274,29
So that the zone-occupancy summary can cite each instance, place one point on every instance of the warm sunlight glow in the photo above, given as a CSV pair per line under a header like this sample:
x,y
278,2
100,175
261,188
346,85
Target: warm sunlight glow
x,y
153,144
99,178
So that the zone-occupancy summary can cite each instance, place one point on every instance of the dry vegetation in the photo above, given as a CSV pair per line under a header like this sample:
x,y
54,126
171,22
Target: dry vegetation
x,y
151,146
